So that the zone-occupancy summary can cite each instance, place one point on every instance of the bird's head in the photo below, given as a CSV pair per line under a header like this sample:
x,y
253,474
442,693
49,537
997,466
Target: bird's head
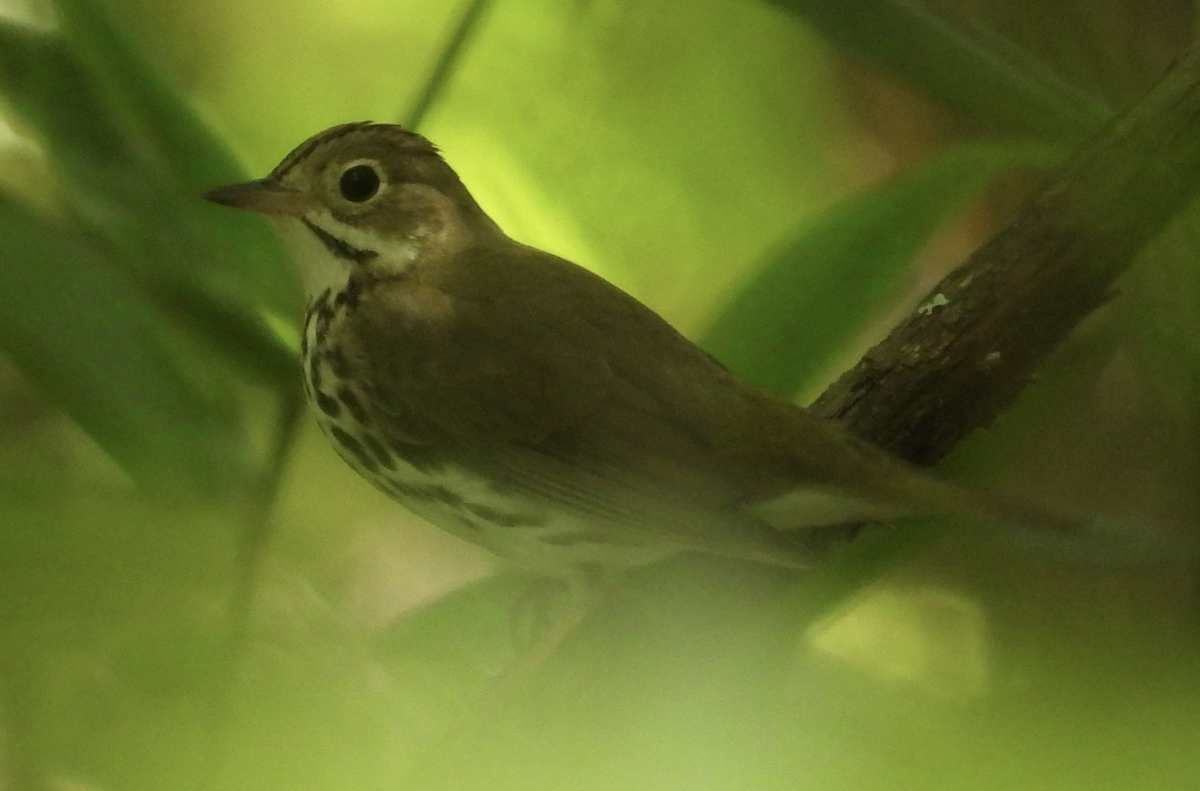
x,y
362,197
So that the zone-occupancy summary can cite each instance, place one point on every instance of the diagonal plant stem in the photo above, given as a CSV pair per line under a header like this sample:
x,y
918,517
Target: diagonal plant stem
x,y
947,371
256,524
257,520
447,60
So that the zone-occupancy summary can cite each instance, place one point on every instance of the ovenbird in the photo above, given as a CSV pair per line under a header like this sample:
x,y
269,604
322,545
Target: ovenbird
x,y
525,404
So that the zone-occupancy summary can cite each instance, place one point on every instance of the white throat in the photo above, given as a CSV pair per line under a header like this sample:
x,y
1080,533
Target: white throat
x,y
320,268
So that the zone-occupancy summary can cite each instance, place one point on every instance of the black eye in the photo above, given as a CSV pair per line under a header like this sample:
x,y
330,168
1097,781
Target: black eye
x,y
359,183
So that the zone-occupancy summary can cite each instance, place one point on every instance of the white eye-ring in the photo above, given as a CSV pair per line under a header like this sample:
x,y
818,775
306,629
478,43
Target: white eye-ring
x,y
360,181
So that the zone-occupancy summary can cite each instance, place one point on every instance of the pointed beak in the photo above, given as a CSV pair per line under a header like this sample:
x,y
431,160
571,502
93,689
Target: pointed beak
x,y
265,196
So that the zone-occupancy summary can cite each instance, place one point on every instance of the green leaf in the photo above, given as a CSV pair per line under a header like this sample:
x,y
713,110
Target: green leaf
x,y
982,74
135,179
101,351
247,339
54,94
144,102
165,128
791,318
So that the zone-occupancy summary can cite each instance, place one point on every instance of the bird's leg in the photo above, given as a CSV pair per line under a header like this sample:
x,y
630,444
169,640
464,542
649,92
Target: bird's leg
x,y
546,615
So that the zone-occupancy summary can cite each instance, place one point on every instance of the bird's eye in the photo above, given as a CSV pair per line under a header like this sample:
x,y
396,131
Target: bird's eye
x,y
359,183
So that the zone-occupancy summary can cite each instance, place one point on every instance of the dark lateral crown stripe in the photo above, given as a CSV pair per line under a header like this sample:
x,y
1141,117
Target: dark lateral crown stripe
x,y
308,146
337,246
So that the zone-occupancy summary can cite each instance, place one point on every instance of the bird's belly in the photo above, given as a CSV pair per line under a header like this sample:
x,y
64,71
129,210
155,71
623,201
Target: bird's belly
x,y
528,533
524,532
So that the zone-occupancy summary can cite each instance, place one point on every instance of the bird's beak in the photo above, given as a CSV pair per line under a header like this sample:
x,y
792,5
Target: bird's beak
x,y
265,196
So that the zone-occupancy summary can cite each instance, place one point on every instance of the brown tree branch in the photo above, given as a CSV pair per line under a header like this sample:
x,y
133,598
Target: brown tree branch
x,y
956,364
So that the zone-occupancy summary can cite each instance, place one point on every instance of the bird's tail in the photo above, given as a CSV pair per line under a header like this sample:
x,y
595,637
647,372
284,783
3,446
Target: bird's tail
x,y
1068,535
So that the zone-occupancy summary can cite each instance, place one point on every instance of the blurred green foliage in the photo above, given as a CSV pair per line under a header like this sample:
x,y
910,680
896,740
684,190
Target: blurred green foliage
x,y
708,157
795,313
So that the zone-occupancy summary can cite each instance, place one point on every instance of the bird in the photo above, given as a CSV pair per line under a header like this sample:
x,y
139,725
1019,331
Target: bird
x,y
525,404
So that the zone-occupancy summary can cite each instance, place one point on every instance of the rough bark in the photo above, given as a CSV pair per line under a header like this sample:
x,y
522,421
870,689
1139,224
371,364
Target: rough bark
x,y
960,360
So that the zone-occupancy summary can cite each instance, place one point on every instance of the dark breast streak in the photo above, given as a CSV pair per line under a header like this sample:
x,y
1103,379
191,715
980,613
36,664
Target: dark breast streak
x,y
422,470
411,472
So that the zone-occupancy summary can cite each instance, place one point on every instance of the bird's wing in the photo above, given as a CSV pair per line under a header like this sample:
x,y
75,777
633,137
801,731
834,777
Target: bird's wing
x,y
552,382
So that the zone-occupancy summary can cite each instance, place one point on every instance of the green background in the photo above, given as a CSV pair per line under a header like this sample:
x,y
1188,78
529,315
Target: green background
x,y
196,593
